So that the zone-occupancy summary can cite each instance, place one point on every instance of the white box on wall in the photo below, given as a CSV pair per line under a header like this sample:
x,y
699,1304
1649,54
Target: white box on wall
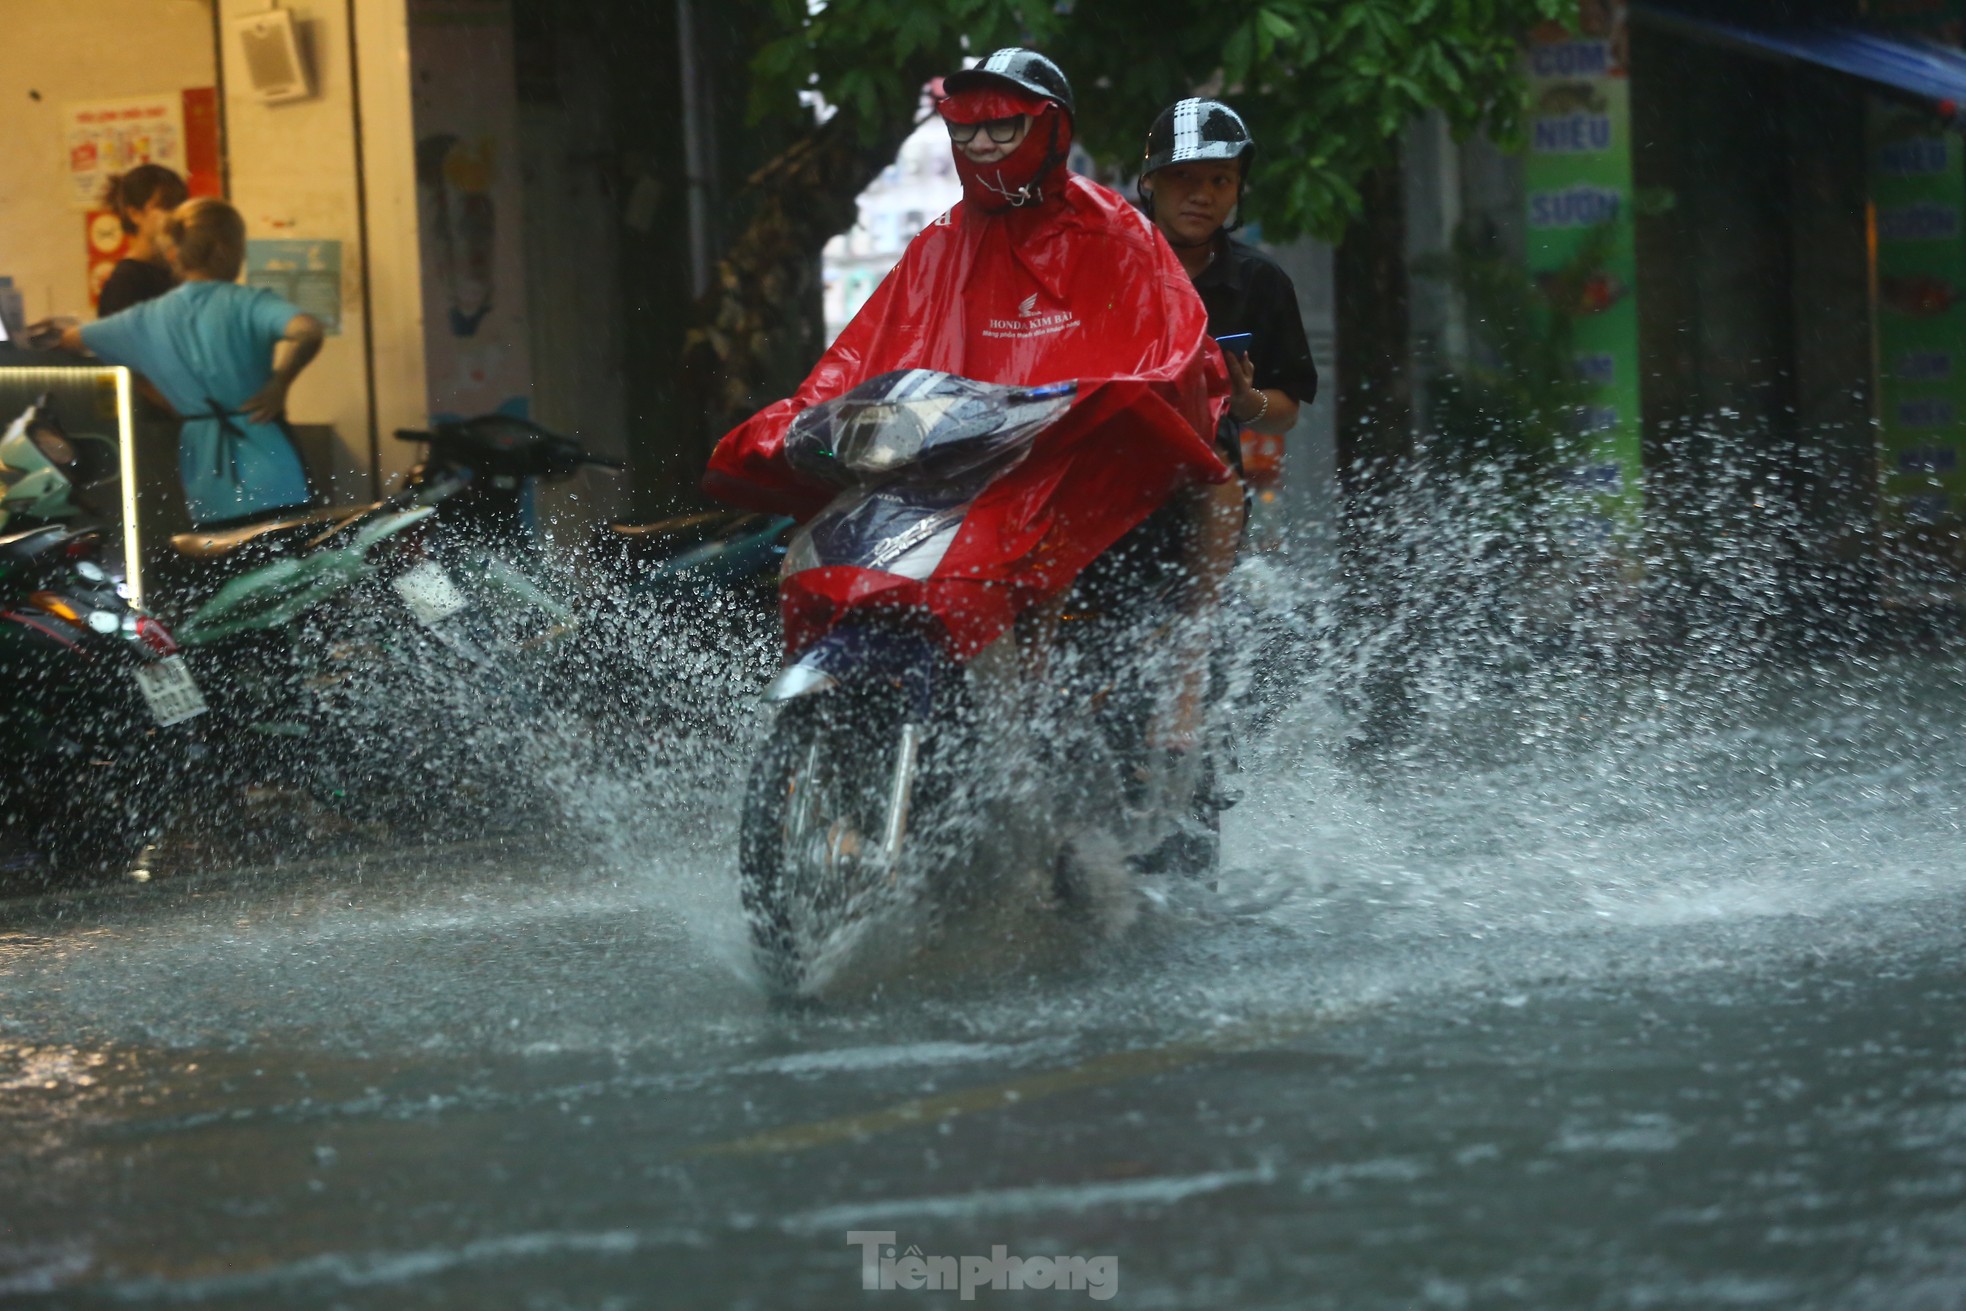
x,y
275,62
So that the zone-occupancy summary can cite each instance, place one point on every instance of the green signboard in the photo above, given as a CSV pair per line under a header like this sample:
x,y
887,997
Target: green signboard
x,y
1918,191
1578,177
1917,195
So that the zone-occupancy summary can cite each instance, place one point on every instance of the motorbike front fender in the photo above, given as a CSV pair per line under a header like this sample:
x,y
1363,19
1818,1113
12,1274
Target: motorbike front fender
x,y
855,655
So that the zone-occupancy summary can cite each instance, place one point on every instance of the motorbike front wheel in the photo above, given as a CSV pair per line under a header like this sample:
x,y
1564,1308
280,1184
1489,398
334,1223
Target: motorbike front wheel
x,y
842,806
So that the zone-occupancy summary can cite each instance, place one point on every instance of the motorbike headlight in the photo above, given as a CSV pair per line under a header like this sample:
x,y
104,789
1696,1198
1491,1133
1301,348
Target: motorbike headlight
x,y
103,621
880,439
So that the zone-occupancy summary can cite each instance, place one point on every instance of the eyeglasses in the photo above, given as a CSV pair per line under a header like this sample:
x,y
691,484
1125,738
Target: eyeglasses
x,y
1001,130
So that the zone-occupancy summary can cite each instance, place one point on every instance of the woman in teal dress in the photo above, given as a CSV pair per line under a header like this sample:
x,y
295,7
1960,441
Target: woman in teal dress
x,y
224,356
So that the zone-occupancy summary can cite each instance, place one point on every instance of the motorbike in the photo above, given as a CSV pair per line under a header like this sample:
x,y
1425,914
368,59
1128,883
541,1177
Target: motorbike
x,y
97,698
331,630
709,550
912,792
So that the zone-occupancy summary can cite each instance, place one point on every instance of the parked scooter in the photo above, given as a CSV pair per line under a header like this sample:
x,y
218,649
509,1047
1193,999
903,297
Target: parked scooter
x,y
96,699
908,783
357,649
711,550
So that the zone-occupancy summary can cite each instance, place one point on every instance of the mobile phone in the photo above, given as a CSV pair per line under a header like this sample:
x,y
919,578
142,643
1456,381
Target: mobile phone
x,y
1236,343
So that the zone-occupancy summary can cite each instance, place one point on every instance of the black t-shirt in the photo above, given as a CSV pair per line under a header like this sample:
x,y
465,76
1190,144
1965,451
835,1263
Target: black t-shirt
x,y
132,282
1245,291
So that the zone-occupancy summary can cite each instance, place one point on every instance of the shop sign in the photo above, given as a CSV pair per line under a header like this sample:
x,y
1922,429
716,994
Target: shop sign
x,y
1918,189
1924,220
1575,207
1917,157
1568,134
1578,176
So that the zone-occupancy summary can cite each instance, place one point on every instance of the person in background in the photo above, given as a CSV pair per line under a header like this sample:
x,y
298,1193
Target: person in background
x,y
144,199
224,357
1192,183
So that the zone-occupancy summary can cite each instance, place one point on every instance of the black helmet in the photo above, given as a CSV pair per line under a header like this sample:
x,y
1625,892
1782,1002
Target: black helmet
x,y
1197,129
1022,68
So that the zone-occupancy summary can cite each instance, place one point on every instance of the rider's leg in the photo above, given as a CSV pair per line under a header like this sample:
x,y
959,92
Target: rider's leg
x,y
1214,530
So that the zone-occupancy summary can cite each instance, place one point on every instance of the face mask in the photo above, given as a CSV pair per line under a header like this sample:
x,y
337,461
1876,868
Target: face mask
x,y
1027,174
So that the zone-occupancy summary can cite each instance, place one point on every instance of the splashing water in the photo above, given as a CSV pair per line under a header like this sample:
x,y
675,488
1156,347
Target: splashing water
x,y
1501,738
1494,807
1516,730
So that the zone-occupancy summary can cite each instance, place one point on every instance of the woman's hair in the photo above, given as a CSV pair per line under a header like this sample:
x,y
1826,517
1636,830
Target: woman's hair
x,y
138,188
210,238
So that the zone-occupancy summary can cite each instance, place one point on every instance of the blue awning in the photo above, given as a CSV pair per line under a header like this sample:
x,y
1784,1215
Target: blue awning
x,y
1932,73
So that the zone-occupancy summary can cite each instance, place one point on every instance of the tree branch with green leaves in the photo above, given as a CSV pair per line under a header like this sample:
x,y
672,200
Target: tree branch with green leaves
x,y
1326,86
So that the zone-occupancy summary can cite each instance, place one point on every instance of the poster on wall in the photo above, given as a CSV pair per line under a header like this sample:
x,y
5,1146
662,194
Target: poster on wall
x,y
1578,179
107,244
104,241
105,137
477,344
306,274
203,155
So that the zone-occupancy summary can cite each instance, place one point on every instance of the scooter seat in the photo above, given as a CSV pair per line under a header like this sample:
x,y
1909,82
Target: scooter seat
x,y
691,526
219,545
27,544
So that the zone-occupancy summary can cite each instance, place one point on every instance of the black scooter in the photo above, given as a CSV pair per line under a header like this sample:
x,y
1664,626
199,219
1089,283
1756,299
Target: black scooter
x,y
101,713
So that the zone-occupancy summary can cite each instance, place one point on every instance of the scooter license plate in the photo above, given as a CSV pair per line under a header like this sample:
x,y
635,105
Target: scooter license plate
x,y
170,690
430,594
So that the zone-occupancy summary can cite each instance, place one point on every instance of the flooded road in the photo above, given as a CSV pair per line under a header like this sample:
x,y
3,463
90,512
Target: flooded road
x,y
1625,1000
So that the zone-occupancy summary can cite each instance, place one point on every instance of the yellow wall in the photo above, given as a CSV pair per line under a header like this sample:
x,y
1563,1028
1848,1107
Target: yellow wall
x,y
70,50
294,174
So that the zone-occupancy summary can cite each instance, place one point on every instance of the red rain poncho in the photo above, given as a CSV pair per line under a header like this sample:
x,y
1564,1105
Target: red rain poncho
x,y
1077,287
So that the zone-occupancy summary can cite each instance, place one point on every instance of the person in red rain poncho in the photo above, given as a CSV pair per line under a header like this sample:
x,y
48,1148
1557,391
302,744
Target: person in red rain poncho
x,y
1036,276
